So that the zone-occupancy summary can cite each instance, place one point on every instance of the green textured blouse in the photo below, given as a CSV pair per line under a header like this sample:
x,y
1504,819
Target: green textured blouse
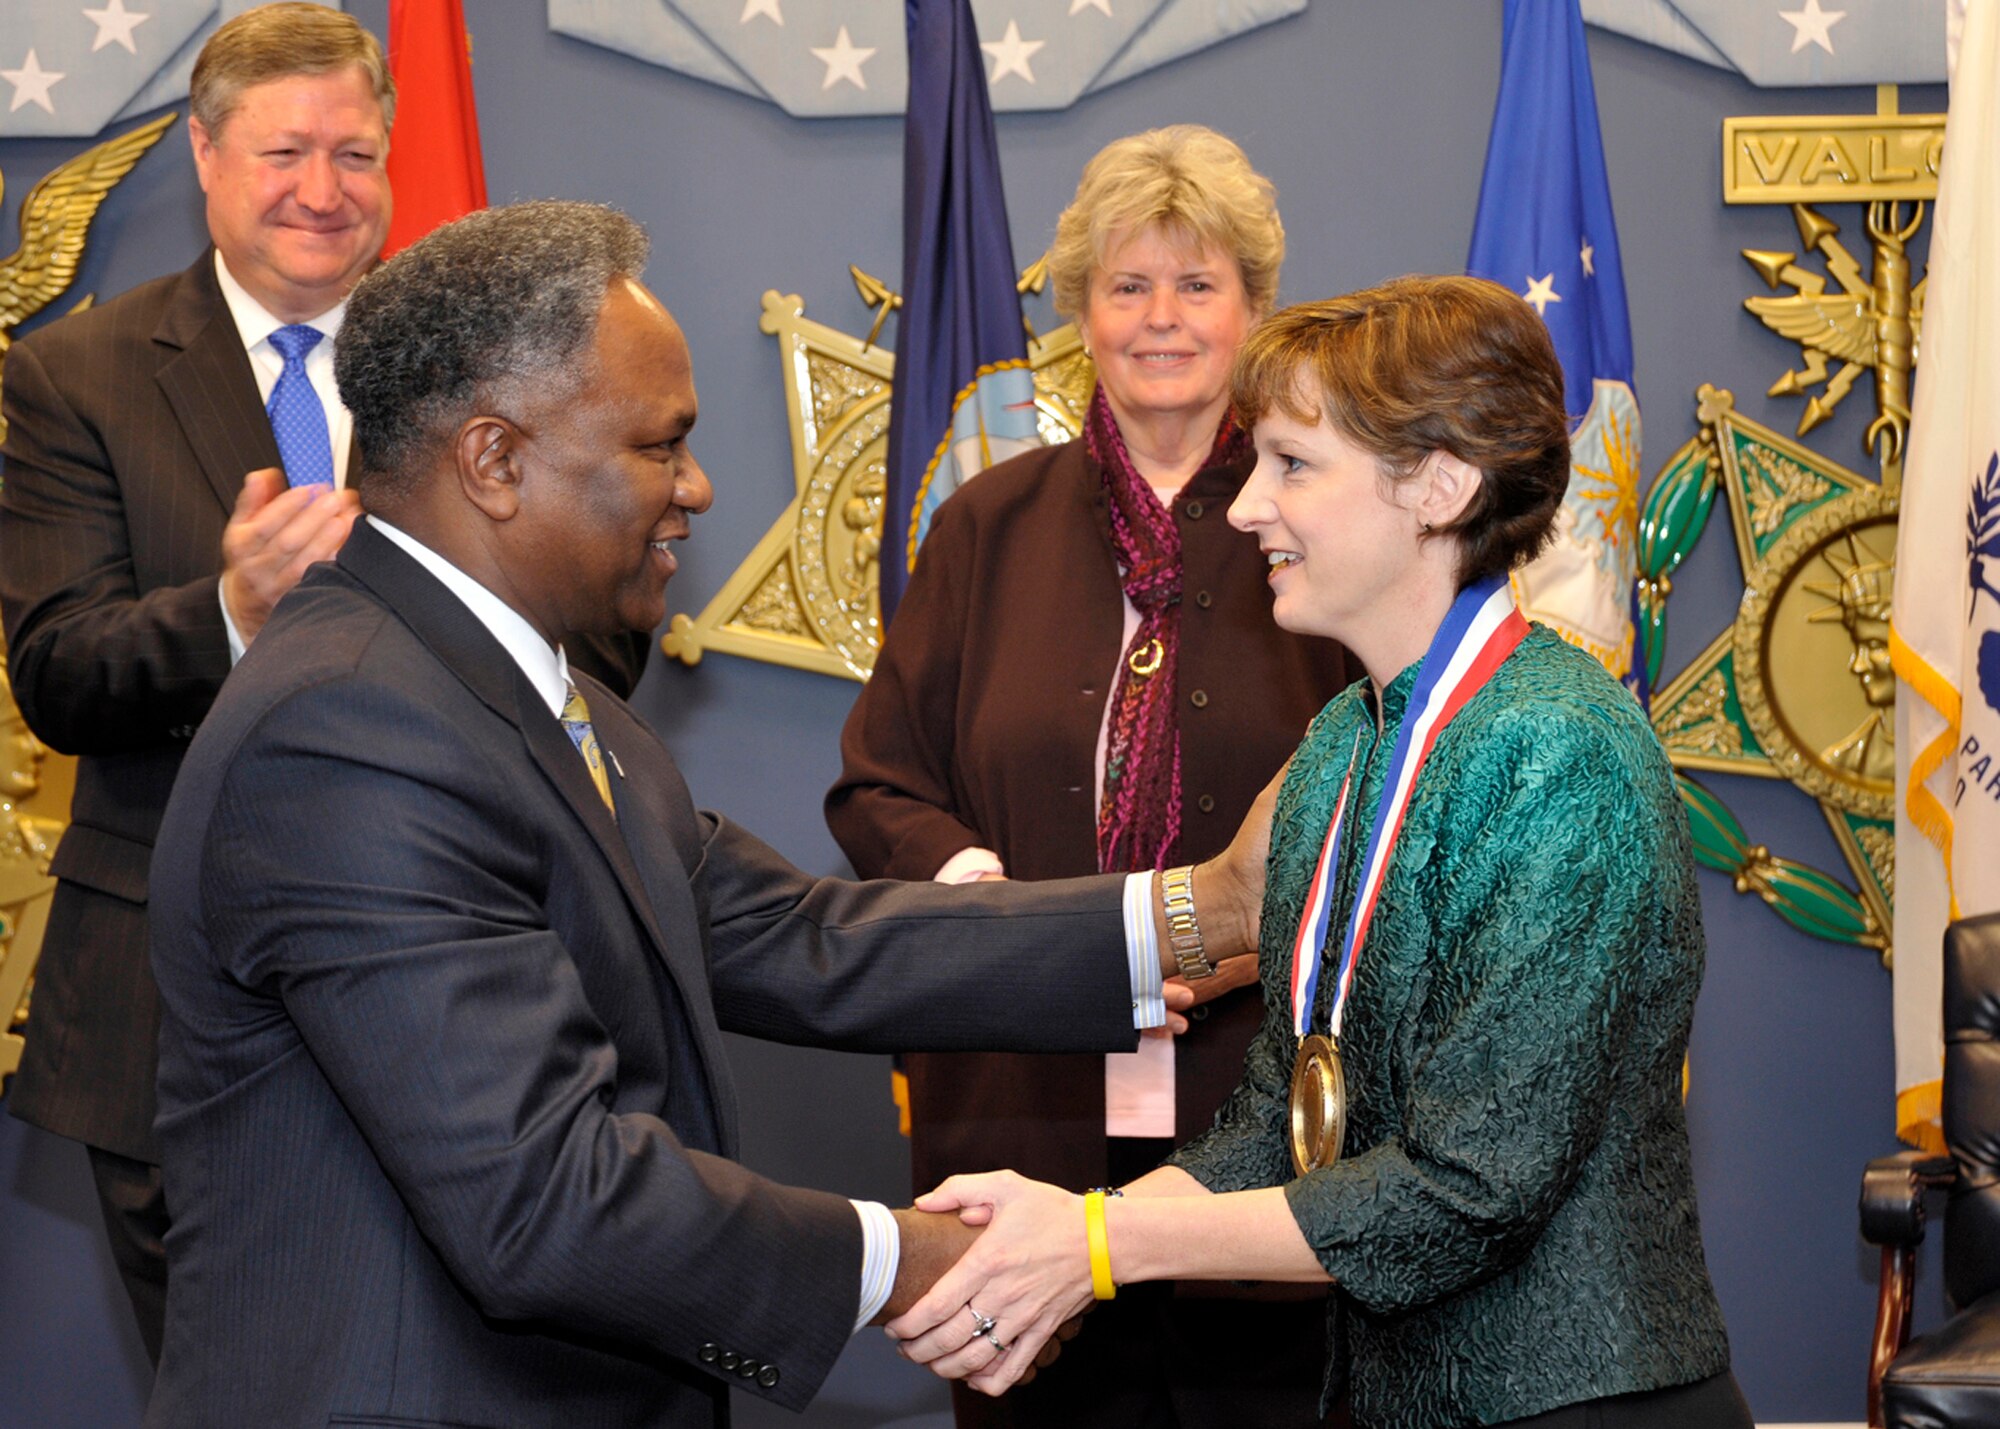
x,y
1512,1226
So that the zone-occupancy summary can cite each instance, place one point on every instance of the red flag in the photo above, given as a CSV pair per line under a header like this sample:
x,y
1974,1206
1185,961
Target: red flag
x,y
434,166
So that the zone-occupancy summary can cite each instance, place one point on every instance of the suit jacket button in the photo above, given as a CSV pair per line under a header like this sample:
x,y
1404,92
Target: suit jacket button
x,y
1206,803
729,1359
1199,699
709,1353
1203,599
748,1369
1194,510
768,1376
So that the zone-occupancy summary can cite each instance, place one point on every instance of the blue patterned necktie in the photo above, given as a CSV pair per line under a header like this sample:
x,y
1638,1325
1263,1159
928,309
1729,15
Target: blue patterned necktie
x,y
298,420
576,724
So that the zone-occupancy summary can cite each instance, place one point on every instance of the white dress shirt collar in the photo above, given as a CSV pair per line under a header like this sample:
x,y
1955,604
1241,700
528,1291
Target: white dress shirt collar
x,y
545,665
254,321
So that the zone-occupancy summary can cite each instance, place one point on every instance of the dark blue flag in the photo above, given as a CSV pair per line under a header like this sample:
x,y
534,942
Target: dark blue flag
x,y
1545,230
964,396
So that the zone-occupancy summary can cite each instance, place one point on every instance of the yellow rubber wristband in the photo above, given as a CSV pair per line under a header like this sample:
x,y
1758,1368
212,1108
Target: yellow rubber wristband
x,y
1100,1247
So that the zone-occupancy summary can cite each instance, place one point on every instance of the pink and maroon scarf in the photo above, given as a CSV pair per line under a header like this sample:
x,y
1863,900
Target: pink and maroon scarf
x,y
1139,821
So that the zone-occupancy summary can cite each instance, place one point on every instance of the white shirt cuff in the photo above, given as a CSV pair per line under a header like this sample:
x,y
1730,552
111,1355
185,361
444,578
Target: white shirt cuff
x,y
881,1242
881,1254
237,644
1142,953
968,864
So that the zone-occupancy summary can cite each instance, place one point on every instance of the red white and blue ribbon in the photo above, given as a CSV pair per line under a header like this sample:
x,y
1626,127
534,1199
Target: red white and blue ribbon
x,y
1479,632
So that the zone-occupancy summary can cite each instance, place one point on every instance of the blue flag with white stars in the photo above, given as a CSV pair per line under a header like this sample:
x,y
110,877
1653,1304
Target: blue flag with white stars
x,y
1544,229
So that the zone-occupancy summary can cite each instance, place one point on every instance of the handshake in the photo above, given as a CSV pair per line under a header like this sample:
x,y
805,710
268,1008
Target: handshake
x,y
1012,1264
990,1303
996,1270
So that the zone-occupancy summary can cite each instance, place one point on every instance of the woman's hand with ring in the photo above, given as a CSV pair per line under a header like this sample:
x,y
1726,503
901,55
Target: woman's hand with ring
x,y
1030,1273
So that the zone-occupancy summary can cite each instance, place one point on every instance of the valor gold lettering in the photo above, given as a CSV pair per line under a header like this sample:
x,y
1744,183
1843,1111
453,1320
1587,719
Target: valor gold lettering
x,y
1827,158
1879,168
1771,167
1811,159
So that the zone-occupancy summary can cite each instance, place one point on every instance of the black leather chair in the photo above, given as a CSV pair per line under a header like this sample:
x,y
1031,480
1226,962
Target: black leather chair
x,y
1951,1377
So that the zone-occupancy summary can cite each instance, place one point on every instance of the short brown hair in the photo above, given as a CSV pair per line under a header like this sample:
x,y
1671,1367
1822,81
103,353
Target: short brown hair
x,y
276,42
1195,186
1419,365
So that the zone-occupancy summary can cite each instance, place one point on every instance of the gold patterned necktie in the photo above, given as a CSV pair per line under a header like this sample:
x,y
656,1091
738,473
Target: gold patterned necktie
x,y
576,723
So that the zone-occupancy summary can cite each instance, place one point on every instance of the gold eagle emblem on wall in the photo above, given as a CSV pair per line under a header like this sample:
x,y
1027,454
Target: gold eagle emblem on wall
x,y
1867,326
55,221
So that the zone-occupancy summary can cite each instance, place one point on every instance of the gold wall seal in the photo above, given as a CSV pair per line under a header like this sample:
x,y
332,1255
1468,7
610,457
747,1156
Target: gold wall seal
x,y
808,593
1798,686
1812,653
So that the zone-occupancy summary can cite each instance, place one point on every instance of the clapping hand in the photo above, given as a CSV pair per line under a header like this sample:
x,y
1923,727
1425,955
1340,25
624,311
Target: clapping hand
x,y
273,535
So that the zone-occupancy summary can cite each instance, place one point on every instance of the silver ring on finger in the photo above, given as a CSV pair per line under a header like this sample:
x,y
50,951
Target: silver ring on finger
x,y
981,1324
992,1338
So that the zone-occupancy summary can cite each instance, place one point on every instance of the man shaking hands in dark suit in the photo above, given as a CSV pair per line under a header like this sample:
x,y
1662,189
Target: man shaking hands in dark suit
x,y
445,951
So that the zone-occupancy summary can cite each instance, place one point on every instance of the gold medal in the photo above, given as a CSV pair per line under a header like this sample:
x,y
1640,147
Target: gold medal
x,y
1319,1105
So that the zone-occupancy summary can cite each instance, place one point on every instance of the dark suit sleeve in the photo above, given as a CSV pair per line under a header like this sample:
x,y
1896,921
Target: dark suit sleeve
x,y
913,967
894,811
420,969
98,667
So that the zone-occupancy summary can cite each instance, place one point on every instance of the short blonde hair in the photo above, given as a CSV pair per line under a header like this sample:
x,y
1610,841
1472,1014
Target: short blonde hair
x,y
1192,184
277,42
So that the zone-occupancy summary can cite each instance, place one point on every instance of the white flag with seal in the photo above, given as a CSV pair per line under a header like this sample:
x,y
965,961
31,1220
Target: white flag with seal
x,y
1945,629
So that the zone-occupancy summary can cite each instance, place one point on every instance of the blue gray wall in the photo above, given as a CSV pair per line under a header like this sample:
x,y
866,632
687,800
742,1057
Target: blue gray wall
x,y
1372,120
